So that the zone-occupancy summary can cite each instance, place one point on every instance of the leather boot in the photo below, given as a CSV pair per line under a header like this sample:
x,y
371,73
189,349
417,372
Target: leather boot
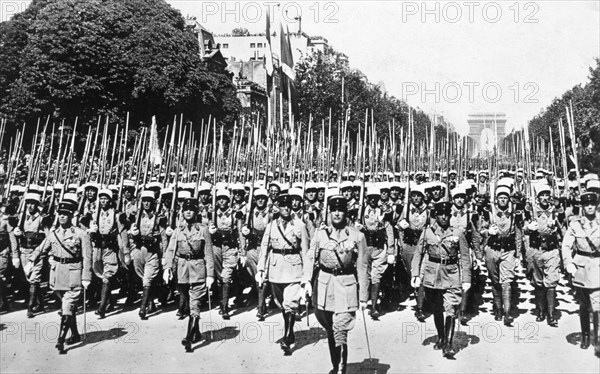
x,y
584,321
515,293
506,302
225,301
261,312
334,354
3,301
344,355
540,303
104,295
32,297
596,320
438,319
184,301
39,300
189,336
196,336
449,327
75,337
374,297
497,306
65,322
464,302
285,341
550,299
131,294
151,307
143,306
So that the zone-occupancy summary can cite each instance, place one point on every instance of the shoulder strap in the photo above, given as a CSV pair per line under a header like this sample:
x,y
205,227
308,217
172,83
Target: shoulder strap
x,y
63,246
283,236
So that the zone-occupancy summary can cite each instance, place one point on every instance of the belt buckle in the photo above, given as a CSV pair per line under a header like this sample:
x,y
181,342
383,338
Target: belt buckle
x,y
188,256
63,260
444,261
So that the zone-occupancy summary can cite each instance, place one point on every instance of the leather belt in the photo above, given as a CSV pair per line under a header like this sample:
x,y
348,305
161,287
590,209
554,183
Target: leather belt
x,y
191,256
444,261
588,254
65,260
286,251
336,271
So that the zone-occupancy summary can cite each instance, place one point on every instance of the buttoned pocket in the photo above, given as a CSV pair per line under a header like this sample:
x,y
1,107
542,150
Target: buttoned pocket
x,y
75,274
351,287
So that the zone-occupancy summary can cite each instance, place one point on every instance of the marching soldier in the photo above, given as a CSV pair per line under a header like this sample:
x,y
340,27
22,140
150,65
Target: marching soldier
x,y
191,244
147,243
70,269
8,252
340,253
581,254
284,262
30,234
109,237
544,232
443,267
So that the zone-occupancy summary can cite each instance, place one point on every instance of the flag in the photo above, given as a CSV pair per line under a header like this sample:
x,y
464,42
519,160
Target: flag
x,y
155,154
287,74
269,56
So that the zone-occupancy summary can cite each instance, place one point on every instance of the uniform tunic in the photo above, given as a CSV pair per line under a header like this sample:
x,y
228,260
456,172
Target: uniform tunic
x,y
192,246
147,248
343,261
8,247
226,244
501,249
443,263
581,247
70,252
32,237
109,244
258,224
418,218
543,257
379,237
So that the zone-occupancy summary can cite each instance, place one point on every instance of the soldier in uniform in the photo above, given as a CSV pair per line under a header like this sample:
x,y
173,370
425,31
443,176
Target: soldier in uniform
x,y
341,257
284,262
147,243
412,225
544,232
443,266
109,237
70,269
8,252
257,223
30,234
379,237
581,255
191,243
504,237
226,238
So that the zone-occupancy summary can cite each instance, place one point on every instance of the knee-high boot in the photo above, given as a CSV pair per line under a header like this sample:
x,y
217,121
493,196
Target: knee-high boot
x,y
497,302
261,307
3,301
420,302
144,304
104,296
438,319
374,297
334,353
32,298
225,301
184,301
550,300
193,333
449,327
584,321
596,320
344,358
540,302
65,322
506,303
75,337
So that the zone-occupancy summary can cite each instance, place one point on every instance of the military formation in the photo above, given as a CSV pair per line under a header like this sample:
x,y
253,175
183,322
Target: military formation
x,y
304,242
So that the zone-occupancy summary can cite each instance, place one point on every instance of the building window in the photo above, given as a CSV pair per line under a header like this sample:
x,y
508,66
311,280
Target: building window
x,y
225,45
252,45
259,45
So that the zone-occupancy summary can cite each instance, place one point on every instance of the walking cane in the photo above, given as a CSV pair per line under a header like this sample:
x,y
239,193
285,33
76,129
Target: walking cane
x,y
366,333
210,314
84,316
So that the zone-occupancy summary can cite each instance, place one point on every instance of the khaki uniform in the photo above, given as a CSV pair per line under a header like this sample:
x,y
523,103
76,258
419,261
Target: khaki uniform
x,y
379,237
226,243
8,251
110,244
28,242
543,257
147,248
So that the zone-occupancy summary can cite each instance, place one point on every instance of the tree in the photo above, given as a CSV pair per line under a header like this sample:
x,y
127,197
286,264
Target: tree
x,y
87,58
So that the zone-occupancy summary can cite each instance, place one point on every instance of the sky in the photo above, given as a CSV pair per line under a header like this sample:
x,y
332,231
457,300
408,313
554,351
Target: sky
x,y
448,58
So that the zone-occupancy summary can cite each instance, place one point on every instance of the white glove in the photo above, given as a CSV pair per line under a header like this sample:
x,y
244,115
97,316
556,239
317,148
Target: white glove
x,y
363,305
415,282
16,263
94,227
391,259
322,226
466,286
167,275
212,229
127,260
85,284
308,289
17,231
245,231
275,209
493,230
28,268
209,282
404,224
533,226
134,230
359,226
259,278
169,231
571,268
242,261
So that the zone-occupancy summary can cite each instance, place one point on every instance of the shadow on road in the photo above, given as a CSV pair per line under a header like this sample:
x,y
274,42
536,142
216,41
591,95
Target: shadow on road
x,y
218,336
367,367
2,326
94,337
461,340
574,338
308,337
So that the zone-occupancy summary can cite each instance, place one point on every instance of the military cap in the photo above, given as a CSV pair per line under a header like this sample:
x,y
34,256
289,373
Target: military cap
x,y
284,200
70,197
337,203
261,192
593,186
153,186
32,197
184,194
373,191
311,187
190,204
166,191
542,188
458,191
91,185
296,193
443,208
417,188
148,194
105,192
237,187
204,187
128,184
223,193
502,190
66,207
589,198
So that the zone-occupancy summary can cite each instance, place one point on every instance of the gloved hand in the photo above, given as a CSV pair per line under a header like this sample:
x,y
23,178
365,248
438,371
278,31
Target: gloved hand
x,y
28,268
363,305
17,231
134,230
259,278
274,209
322,226
391,259
415,282
245,230
127,260
242,261
533,226
85,284
169,231
571,268
466,286
209,282
167,275
308,289
212,229
493,230
403,224
359,226
16,262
